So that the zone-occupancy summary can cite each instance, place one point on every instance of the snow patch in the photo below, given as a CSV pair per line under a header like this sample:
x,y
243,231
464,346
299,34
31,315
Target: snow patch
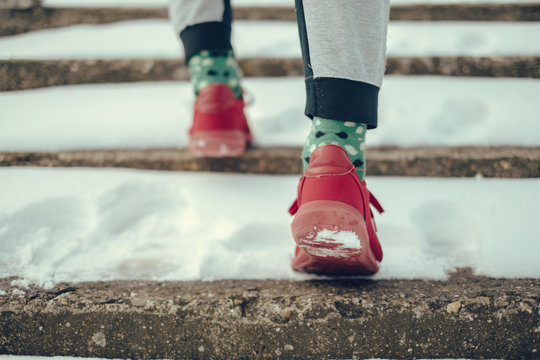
x,y
346,239
338,243
18,292
77,225
448,231
464,111
290,3
22,283
223,149
151,39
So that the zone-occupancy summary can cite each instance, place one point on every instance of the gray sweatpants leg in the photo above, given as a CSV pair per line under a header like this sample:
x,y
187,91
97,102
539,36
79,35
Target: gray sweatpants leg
x,y
202,24
343,47
184,13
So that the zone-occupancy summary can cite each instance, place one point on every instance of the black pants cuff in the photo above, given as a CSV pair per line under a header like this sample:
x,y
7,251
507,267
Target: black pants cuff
x,y
206,36
342,99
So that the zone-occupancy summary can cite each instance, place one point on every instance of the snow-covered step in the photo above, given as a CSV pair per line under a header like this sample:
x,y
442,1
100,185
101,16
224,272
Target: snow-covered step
x,y
163,3
73,225
15,22
467,317
31,74
156,39
414,111
426,161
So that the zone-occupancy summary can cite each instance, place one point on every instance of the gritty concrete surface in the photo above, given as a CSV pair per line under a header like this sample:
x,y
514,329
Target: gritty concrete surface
x,y
30,74
503,161
465,317
466,12
502,66
30,17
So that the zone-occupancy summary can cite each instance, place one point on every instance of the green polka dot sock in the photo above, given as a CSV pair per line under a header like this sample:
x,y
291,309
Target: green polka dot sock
x,y
215,67
349,135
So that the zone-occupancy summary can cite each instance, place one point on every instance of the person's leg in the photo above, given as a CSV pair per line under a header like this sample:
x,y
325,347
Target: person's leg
x,y
219,124
204,26
343,48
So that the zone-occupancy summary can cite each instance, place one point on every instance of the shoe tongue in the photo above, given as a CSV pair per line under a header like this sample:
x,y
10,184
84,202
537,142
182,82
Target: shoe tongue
x,y
329,160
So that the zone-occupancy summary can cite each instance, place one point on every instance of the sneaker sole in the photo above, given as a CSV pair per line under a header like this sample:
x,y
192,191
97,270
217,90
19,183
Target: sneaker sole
x,y
333,239
218,143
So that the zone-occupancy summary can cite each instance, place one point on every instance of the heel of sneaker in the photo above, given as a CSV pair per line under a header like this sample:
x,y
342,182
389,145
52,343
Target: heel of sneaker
x,y
333,238
218,143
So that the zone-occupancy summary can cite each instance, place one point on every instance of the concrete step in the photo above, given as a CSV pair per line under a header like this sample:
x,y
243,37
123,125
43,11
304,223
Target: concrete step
x,y
15,21
30,74
497,161
466,316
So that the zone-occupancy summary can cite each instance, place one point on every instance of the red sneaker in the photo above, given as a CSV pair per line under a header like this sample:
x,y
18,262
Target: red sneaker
x,y
333,227
219,127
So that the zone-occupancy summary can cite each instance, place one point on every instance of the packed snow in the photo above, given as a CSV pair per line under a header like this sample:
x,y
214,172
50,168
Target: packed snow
x,y
344,243
163,3
413,111
157,3
156,39
92,224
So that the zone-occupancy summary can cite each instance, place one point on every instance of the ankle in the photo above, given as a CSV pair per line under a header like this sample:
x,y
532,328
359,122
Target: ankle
x,y
348,135
210,67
